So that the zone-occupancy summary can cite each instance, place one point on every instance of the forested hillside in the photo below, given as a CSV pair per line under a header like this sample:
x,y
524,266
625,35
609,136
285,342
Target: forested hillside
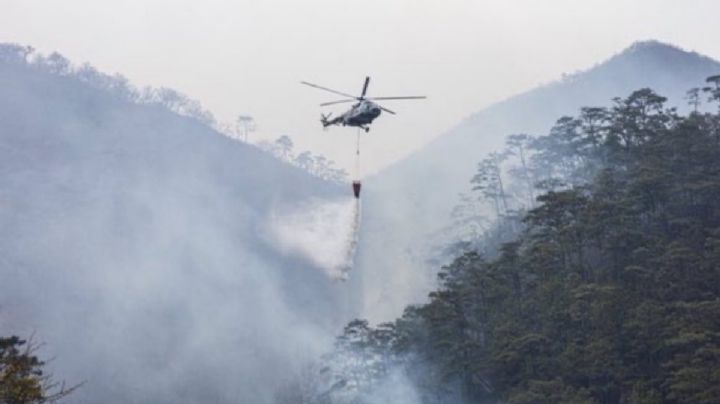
x,y
425,187
134,242
608,292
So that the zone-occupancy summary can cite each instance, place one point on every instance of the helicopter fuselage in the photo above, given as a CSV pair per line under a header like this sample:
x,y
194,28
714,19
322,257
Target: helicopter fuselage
x,y
360,115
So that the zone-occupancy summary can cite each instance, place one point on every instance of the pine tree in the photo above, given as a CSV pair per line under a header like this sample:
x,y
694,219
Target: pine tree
x,y
22,379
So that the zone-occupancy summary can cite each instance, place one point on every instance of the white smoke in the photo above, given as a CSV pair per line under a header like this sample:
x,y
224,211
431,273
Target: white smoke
x,y
395,388
324,232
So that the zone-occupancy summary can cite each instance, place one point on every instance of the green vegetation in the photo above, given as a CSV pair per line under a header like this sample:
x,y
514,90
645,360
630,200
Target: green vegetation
x,y
605,288
22,380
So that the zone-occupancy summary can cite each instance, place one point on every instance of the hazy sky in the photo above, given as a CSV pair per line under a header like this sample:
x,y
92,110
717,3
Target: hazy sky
x,y
247,57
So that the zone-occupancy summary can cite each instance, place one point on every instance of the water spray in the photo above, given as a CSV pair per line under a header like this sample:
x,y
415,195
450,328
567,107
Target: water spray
x,y
325,232
356,184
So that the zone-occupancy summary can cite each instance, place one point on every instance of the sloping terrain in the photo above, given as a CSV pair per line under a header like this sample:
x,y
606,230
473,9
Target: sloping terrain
x,y
410,201
134,244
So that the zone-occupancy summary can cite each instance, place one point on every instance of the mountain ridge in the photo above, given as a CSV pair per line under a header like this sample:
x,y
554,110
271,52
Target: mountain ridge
x,y
131,226
424,186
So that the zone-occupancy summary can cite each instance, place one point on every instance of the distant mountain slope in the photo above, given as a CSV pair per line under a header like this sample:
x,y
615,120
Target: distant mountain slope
x,y
413,198
133,243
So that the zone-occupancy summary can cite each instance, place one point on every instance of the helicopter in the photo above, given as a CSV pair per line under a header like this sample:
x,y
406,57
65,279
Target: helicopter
x,y
362,113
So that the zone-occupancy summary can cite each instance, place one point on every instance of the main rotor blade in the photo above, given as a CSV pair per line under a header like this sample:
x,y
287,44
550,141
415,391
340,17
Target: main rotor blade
x,y
328,89
414,97
336,102
386,110
365,86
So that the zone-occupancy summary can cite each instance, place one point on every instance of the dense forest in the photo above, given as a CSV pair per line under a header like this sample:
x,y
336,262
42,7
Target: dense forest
x,y
393,257
597,281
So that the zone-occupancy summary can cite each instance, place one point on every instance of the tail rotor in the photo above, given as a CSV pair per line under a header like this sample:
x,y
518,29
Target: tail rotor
x,y
324,119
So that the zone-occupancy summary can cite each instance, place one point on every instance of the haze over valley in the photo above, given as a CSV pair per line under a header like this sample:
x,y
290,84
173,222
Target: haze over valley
x,y
178,228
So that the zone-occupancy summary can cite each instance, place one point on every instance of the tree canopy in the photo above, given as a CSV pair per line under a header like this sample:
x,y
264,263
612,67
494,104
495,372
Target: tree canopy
x,y
608,290
22,379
